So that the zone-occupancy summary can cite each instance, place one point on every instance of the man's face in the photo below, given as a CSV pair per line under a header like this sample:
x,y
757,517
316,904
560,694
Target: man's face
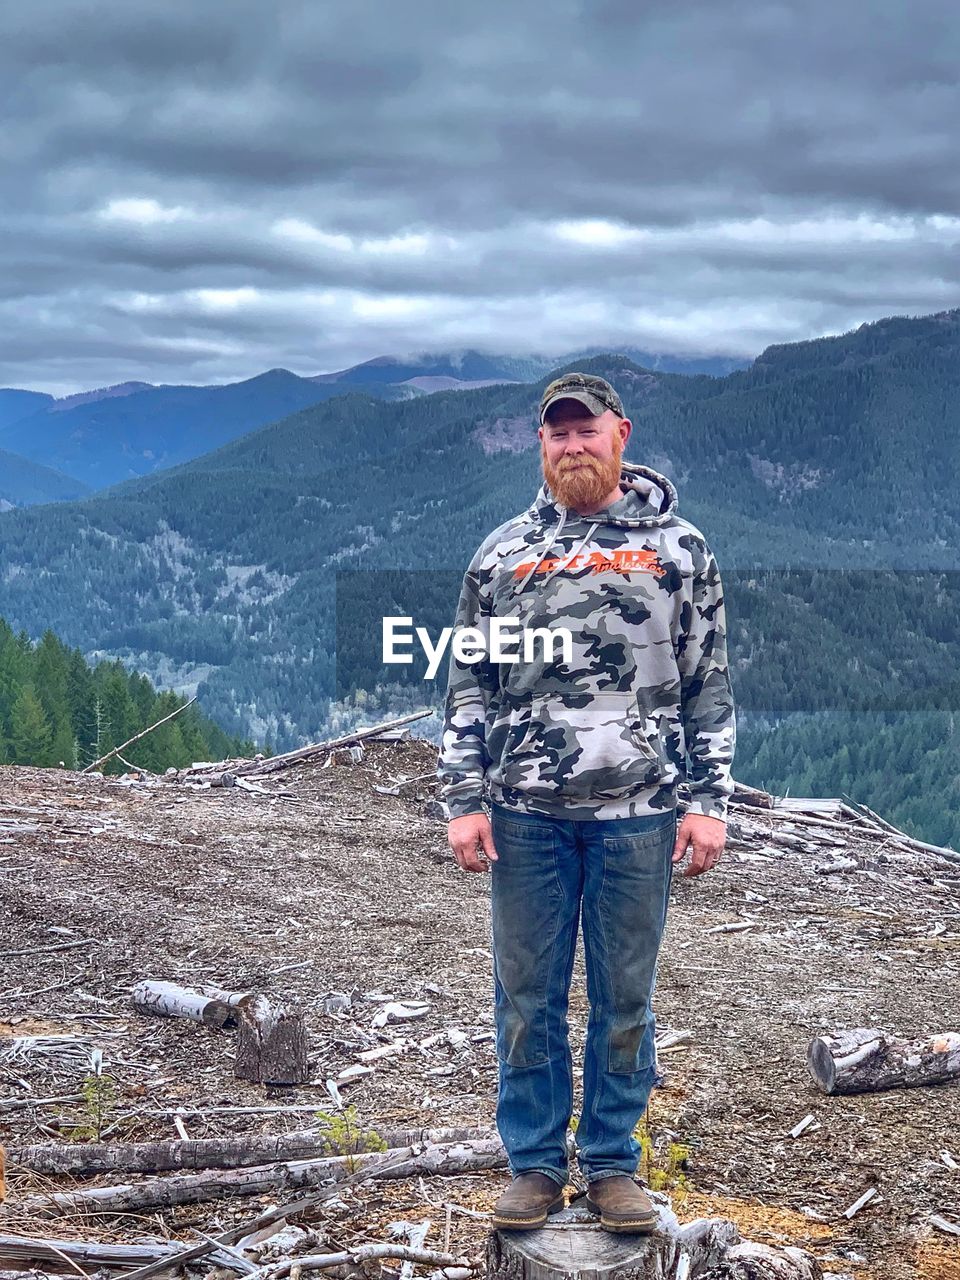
x,y
581,454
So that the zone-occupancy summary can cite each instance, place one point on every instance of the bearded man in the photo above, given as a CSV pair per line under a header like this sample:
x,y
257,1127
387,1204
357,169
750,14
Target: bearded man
x,y
561,779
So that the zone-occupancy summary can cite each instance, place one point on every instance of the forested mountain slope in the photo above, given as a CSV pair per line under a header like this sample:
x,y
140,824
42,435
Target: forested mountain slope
x,y
832,456
57,709
23,483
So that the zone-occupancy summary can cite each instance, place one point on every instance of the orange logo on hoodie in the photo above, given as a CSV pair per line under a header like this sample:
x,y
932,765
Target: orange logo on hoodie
x,y
626,560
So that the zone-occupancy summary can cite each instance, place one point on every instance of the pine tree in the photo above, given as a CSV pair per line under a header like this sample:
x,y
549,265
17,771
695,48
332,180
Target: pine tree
x,y
31,735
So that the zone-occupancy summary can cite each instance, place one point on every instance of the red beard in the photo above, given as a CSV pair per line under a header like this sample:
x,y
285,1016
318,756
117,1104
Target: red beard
x,y
583,481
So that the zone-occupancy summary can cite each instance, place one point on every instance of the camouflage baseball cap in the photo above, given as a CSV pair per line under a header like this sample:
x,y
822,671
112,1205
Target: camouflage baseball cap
x,y
596,393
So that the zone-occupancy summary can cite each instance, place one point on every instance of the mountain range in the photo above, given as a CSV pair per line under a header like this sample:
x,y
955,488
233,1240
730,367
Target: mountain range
x,y
110,434
825,477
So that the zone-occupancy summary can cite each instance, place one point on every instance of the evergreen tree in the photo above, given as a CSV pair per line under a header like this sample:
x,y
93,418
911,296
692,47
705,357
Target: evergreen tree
x,y
31,737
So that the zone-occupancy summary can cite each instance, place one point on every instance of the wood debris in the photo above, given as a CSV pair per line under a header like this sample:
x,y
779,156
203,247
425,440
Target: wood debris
x,y
865,1058
325,890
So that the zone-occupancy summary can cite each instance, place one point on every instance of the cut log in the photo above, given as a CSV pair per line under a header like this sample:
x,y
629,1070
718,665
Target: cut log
x,y
209,1005
162,1193
751,796
865,1059
273,1044
212,1153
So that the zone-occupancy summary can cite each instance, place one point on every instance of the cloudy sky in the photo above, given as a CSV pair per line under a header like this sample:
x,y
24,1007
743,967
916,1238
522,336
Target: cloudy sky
x,y
197,192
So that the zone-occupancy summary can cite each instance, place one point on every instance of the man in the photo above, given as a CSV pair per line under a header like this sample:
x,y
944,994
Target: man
x,y
579,761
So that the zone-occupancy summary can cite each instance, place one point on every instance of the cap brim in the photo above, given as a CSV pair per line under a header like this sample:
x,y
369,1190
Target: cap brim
x,y
596,407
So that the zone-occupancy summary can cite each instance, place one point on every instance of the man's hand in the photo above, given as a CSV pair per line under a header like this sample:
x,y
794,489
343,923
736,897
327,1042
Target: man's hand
x,y
471,840
706,836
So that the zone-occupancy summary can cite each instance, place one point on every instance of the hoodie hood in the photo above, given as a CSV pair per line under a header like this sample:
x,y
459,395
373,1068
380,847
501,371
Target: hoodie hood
x,y
649,499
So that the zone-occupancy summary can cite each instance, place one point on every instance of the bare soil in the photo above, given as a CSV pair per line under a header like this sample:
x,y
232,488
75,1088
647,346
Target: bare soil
x,y
341,889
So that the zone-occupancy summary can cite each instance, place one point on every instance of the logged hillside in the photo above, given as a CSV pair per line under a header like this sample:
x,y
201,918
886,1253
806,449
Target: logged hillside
x,y
336,889
829,457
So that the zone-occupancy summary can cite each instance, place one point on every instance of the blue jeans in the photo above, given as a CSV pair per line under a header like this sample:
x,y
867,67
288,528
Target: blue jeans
x,y
618,872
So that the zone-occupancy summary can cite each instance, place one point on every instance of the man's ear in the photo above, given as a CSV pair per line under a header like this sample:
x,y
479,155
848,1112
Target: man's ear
x,y
625,427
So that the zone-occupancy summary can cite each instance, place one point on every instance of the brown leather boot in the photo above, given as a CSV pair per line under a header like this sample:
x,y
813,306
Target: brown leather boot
x,y
526,1202
622,1204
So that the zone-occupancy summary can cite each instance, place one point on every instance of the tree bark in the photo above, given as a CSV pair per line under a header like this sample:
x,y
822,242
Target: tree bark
x,y
34,1249
212,1153
162,1193
273,1044
209,1005
865,1059
752,1261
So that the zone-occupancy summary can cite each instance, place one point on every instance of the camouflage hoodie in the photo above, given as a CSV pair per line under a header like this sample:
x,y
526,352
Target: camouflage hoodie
x,y
646,700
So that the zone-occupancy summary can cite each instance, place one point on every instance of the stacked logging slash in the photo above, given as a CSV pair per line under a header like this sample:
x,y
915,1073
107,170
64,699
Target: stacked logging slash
x,y
243,773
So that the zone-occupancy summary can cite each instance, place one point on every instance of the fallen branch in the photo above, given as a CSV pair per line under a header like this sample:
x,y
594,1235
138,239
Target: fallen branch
x,y
34,1249
136,737
25,1104
162,1193
363,1253
55,946
266,1219
31,1275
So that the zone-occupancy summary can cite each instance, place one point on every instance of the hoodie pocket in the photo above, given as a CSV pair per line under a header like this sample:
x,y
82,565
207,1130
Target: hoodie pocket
x,y
583,746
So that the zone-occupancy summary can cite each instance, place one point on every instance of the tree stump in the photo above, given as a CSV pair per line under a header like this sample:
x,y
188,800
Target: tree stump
x,y
272,1048
574,1244
865,1059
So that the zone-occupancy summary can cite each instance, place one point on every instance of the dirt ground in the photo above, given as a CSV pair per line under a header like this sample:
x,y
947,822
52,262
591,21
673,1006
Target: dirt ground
x,y
338,888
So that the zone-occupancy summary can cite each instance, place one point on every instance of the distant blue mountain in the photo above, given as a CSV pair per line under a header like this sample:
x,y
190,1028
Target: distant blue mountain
x,y
16,404
105,441
112,434
24,483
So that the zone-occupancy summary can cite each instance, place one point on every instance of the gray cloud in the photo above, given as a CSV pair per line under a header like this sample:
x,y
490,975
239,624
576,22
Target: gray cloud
x,y
196,193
